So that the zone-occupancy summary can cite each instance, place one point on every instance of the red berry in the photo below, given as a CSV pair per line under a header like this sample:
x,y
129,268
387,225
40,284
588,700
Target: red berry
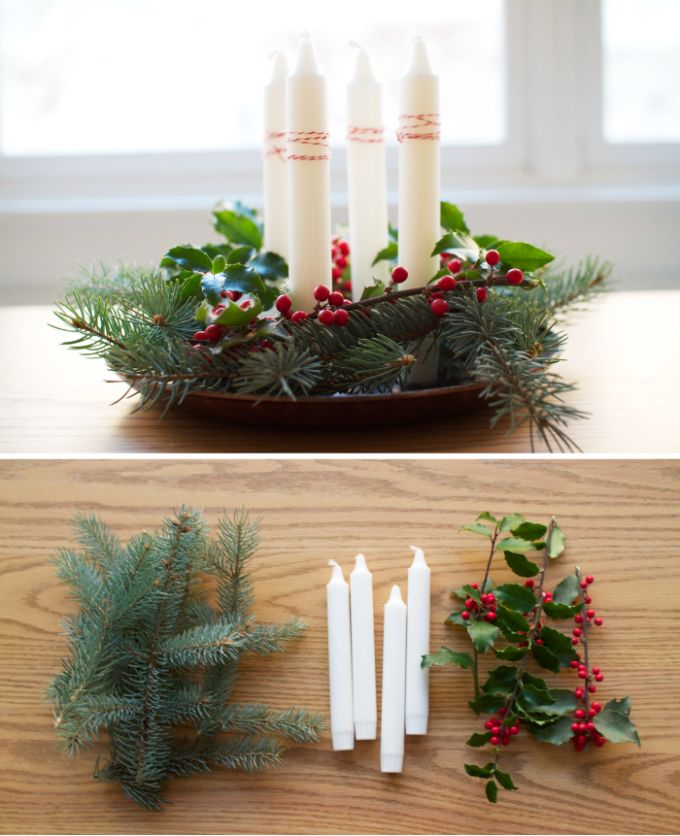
x,y
501,711
583,584
529,584
495,740
574,640
493,257
343,246
592,688
589,579
299,316
575,727
469,603
224,293
439,307
514,276
599,677
579,742
514,730
465,615
599,741
591,712
578,619
340,317
336,298
446,283
588,599
577,631
247,304
200,335
582,674
579,713
488,724
321,293
597,707
490,616
599,621
574,664
213,332
336,272
284,303
455,265
474,585
341,263
590,613
491,599
539,641
597,669
578,693
326,316
399,275
505,741
590,726
482,294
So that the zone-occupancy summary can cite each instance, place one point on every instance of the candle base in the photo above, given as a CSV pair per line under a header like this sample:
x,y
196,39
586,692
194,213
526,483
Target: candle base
x,y
391,763
365,731
343,741
416,724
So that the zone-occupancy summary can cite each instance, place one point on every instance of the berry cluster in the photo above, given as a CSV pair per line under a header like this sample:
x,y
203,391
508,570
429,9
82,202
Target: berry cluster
x,y
340,259
214,332
486,609
501,731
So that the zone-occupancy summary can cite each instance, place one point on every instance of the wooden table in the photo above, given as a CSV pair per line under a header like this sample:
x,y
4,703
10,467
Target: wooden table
x,y
623,352
622,524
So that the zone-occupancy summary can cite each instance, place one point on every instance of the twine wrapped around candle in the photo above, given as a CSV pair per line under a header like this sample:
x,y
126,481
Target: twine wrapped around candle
x,y
272,148
415,125
317,139
358,134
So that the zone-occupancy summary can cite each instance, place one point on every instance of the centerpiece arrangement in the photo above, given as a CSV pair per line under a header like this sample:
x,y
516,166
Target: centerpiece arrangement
x,y
286,310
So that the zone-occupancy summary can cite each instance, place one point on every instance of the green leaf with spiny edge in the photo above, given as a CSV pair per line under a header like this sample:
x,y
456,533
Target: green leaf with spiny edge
x,y
515,597
213,250
188,258
269,265
559,644
557,542
234,315
375,289
388,253
500,680
556,733
530,531
521,565
454,618
536,681
219,263
239,255
511,653
614,723
533,699
451,218
491,790
476,771
460,244
466,591
482,633
564,702
566,591
190,287
486,242
561,611
476,740
238,226
512,621
485,515
487,703
546,658
477,528
524,256
445,656
514,544
235,277
504,779
511,521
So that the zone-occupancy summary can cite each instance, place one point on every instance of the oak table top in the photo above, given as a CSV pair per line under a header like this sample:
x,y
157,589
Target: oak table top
x,y
622,351
621,523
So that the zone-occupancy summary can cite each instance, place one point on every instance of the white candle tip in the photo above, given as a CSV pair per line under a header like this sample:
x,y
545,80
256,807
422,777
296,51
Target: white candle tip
x,y
336,575
419,62
363,73
418,556
360,562
279,67
395,595
306,59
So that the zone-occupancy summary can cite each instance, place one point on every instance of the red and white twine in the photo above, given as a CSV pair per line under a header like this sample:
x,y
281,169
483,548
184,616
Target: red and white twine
x,y
418,126
317,139
273,145
357,134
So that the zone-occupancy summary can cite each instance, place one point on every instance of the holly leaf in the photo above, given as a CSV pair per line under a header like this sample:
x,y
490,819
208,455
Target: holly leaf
x,y
555,733
560,611
477,528
504,779
521,565
487,703
234,315
546,658
447,657
270,265
533,699
485,515
477,740
564,702
483,634
451,218
486,242
388,253
525,256
614,723
559,644
467,591
476,771
512,622
566,590
491,791
190,287
500,680
239,255
514,544
511,653
511,521
556,545
188,258
515,597
238,225
460,244
376,289
530,531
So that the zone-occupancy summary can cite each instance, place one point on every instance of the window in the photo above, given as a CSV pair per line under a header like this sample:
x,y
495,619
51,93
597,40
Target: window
x,y
131,76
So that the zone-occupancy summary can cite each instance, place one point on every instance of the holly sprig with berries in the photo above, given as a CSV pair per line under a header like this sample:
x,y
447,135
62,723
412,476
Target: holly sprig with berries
x,y
519,624
219,318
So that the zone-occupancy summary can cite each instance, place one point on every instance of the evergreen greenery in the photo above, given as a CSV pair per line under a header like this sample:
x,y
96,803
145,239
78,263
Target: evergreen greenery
x,y
141,322
152,662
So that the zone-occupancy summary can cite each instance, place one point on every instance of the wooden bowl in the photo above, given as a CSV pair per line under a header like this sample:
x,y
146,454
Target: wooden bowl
x,y
338,411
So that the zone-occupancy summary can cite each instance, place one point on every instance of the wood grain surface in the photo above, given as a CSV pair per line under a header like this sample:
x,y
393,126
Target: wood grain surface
x,y
622,524
622,352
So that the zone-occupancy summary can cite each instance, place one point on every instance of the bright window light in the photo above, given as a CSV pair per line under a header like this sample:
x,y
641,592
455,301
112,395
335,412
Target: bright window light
x,y
641,68
118,76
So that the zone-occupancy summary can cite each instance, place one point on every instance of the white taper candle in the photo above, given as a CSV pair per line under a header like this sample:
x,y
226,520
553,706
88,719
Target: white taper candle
x,y
419,167
417,644
363,650
366,176
340,659
309,198
275,204
393,684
